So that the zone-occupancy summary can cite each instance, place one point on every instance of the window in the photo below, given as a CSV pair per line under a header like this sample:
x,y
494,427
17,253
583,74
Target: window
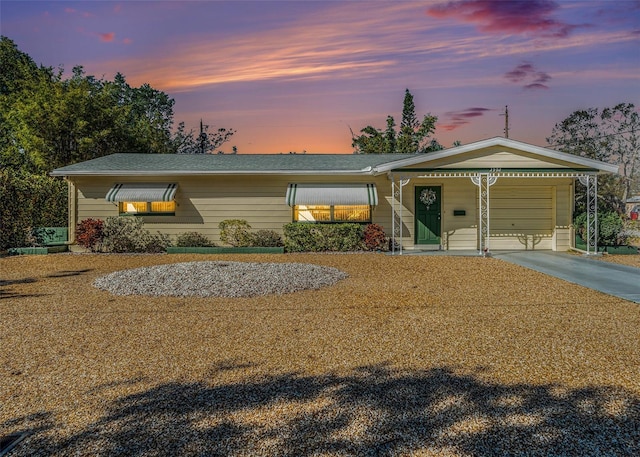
x,y
140,208
150,198
332,213
332,202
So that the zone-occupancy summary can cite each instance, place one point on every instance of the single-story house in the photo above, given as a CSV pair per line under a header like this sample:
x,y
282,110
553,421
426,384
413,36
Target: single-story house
x,y
632,207
496,193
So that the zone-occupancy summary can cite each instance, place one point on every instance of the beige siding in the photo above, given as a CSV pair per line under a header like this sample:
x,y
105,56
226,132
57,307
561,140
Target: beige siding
x,y
503,160
203,202
525,213
521,217
496,157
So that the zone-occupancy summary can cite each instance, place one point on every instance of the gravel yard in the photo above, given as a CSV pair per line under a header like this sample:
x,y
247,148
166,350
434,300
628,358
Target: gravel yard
x,y
631,260
414,355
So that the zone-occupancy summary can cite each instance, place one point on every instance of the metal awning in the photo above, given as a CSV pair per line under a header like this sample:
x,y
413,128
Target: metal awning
x,y
332,194
142,192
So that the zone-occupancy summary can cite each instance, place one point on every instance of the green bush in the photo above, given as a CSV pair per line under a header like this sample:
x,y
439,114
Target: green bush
x,y
267,239
193,240
235,232
29,201
322,237
610,229
127,234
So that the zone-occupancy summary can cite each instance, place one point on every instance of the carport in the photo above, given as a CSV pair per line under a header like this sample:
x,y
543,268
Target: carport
x,y
520,197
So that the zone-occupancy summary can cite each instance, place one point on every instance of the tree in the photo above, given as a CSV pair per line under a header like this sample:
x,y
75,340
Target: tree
x,y
49,121
184,142
622,128
412,137
610,135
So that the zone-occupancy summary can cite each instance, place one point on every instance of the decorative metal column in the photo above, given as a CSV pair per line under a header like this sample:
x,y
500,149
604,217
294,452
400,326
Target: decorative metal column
x,y
396,220
484,181
591,183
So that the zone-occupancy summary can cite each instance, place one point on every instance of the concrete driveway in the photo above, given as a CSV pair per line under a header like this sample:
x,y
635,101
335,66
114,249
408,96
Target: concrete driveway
x,y
613,279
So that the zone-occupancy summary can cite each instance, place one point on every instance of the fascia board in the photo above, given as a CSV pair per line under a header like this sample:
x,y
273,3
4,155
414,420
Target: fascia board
x,y
366,171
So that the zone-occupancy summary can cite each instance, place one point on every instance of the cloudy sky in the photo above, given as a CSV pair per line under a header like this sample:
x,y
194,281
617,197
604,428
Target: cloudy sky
x,y
299,75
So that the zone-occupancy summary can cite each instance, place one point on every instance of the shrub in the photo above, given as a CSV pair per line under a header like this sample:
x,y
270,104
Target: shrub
x,y
29,200
89,234
193,239
322,237
375,238
235,232
127,234
610,229
267,239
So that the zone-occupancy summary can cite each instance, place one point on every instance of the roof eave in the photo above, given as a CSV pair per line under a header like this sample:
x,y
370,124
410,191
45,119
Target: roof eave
x,y
364,172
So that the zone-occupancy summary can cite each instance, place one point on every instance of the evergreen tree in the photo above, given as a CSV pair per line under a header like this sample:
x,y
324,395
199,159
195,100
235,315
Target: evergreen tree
x,y
414,136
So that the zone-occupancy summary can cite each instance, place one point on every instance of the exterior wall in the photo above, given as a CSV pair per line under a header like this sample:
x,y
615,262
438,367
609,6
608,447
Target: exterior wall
x,y
202,202
525,213
496,157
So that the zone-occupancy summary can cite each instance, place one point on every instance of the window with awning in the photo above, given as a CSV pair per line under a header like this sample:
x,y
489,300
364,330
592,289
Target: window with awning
x,y
143,198
332,202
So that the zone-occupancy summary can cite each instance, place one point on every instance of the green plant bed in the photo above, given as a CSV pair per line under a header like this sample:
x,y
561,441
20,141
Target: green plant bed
x,y
225,250
618,250
28,251
621,250
38,250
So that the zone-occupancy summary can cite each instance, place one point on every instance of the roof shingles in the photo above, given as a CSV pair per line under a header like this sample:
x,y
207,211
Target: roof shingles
x,y
176,164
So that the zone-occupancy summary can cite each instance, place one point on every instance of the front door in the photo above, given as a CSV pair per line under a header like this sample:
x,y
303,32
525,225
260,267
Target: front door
x,y
428,204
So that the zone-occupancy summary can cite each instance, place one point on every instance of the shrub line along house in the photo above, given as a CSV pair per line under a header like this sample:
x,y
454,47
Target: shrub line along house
x,y
492,194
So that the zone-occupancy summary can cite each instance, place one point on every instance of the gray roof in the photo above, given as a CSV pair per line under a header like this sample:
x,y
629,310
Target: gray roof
x,y
299,164
206,164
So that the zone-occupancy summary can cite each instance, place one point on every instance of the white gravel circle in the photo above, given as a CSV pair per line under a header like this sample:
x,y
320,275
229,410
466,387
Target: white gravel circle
x,y
219,279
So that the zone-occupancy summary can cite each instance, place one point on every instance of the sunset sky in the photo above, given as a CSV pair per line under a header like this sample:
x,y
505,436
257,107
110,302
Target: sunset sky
x,y
298,75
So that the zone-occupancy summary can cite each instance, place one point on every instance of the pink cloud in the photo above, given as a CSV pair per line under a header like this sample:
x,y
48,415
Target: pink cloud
x,y
107,37
127,41
117,8
70,10
456,119
528,74
514,16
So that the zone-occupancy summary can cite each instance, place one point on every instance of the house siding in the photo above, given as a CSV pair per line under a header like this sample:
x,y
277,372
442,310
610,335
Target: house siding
x,y
202,202
525,214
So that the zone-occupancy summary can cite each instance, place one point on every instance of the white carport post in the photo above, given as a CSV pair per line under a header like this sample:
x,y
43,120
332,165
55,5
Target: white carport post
x,y
484,181
591,183
396,216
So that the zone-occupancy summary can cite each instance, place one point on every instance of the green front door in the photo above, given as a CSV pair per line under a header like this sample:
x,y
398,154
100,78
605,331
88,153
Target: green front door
x,y
428,204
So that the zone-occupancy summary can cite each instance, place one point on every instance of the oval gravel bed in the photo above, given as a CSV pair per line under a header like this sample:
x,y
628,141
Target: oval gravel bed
x,y
219,279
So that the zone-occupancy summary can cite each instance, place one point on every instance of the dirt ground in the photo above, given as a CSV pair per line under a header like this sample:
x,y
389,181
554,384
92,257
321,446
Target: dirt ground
x,y
413,355
631,260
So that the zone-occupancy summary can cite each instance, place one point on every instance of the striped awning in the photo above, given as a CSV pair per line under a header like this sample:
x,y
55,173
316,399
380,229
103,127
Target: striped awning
x,y
142,192
332,194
